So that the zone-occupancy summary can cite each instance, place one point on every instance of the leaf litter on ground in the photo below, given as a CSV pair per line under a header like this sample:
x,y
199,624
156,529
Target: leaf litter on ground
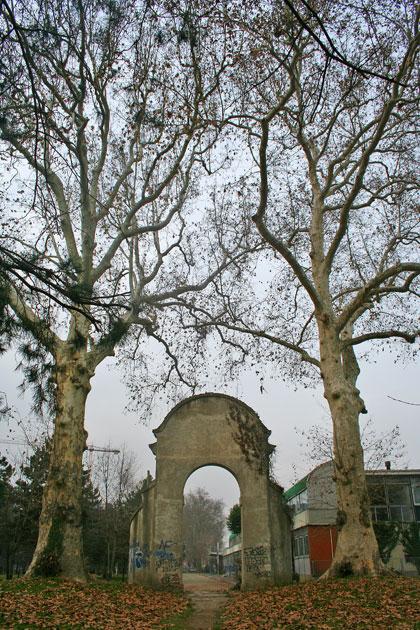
x,y
356,603
64,604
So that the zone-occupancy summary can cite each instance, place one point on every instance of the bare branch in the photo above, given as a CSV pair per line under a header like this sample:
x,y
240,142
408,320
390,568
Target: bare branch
x,y
381,334
380,125
375,286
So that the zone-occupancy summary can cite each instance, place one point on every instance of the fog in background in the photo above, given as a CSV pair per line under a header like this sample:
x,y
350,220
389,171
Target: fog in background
x,y
285,410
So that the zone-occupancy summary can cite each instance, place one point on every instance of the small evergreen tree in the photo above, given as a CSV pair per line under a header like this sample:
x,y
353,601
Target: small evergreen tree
x,y
6,471
20,509
233,521
387,535
29,489
7,517
93,538
410,538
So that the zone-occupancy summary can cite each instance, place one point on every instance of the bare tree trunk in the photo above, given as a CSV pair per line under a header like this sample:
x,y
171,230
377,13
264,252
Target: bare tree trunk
x,y
357,550
112,565
108,560
9,562
59,549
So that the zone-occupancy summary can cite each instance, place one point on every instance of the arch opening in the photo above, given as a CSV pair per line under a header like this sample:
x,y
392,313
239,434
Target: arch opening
x,y
209,548
217,479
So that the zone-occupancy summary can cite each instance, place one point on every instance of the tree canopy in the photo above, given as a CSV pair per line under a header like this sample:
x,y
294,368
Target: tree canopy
x,y
107,117
148,149
203,523
331,185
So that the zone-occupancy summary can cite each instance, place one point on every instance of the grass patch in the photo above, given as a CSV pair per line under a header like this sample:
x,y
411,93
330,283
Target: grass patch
x,y
35,585
176,622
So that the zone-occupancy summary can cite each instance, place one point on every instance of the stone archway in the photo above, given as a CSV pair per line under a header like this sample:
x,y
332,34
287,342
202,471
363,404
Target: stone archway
x,y
219,430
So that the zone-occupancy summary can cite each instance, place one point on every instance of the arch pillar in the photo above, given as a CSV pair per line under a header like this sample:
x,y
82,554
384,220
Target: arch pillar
x,y
211,429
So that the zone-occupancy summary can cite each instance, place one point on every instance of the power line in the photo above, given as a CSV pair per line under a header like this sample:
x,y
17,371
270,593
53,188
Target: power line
x,y
405,402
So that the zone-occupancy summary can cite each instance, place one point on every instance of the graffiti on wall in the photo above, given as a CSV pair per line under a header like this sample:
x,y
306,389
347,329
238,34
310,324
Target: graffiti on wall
x,y
256,559
166,560
139,555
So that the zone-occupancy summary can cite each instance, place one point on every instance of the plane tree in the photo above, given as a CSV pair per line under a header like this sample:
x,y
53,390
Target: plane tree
x,y
203,524
107,119
331,183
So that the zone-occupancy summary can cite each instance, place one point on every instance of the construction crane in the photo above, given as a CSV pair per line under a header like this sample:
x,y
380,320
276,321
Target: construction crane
x,y
4,405
15,442
91,449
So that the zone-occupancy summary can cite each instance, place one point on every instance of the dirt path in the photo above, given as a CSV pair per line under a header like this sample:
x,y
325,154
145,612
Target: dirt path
x,y
207,594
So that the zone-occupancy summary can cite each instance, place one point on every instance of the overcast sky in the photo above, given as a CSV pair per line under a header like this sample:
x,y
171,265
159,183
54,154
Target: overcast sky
x,y
281,408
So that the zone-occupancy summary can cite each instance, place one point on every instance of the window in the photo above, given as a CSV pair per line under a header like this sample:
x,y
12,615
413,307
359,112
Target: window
x,y
398,494
416,493
379,513
301,546
299,503
303,500
390,500
401,513
377,494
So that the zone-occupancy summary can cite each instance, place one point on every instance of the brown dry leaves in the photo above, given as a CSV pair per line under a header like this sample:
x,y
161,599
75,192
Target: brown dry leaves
x,y
61,604
364,603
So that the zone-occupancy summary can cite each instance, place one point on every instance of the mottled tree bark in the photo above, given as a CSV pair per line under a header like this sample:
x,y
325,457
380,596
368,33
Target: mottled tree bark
x,y
59,549
357,550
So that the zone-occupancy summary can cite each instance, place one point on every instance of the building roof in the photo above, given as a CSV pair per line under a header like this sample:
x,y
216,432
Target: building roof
x,y
382,472
299,487
302,484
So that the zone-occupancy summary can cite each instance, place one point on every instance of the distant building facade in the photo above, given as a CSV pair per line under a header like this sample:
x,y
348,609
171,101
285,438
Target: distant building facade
x,y
232,556
394,497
